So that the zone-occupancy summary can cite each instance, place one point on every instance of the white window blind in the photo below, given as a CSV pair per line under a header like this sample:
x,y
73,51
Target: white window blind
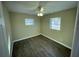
x,y
29,21
55,23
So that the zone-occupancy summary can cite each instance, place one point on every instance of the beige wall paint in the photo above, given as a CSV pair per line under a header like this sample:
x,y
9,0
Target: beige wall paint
x,y
19,29
65,35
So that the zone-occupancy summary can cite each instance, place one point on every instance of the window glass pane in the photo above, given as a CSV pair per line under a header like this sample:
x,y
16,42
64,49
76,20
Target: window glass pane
x,y
29,21
55,23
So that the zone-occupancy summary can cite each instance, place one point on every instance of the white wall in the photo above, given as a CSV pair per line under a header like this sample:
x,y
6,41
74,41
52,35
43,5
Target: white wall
x,y
6,32
75,45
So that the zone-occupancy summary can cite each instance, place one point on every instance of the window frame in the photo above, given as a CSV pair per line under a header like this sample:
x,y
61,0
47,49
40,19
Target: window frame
x,y
29,21
51,25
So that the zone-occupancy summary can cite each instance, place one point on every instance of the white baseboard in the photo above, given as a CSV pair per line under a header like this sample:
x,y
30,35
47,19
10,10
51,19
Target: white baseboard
x,y
20,40
24,38
56,41
43,35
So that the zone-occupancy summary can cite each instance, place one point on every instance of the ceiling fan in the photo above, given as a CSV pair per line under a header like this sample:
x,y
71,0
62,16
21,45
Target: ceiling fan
x,y
40,9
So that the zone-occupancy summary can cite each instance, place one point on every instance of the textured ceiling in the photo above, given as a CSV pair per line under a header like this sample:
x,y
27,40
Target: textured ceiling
x,y
30,7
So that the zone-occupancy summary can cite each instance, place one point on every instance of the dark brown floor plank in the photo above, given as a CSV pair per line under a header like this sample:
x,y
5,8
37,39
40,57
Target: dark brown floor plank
x,y
39,46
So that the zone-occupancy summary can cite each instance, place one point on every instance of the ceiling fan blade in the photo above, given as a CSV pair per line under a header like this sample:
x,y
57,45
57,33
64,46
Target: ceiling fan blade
x,y
35,9
42,4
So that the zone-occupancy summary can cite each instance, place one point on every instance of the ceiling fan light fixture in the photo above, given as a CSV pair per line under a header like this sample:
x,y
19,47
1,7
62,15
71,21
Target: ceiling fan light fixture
x,y
40,14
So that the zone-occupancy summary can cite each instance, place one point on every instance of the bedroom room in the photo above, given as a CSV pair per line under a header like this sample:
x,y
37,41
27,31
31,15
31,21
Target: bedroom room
x,y
38,28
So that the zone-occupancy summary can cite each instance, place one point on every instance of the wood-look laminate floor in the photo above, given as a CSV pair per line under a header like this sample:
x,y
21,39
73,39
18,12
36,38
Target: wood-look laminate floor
x,y
39,46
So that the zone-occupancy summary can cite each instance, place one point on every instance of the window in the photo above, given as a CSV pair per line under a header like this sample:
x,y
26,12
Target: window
x,y
29,21
55,23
